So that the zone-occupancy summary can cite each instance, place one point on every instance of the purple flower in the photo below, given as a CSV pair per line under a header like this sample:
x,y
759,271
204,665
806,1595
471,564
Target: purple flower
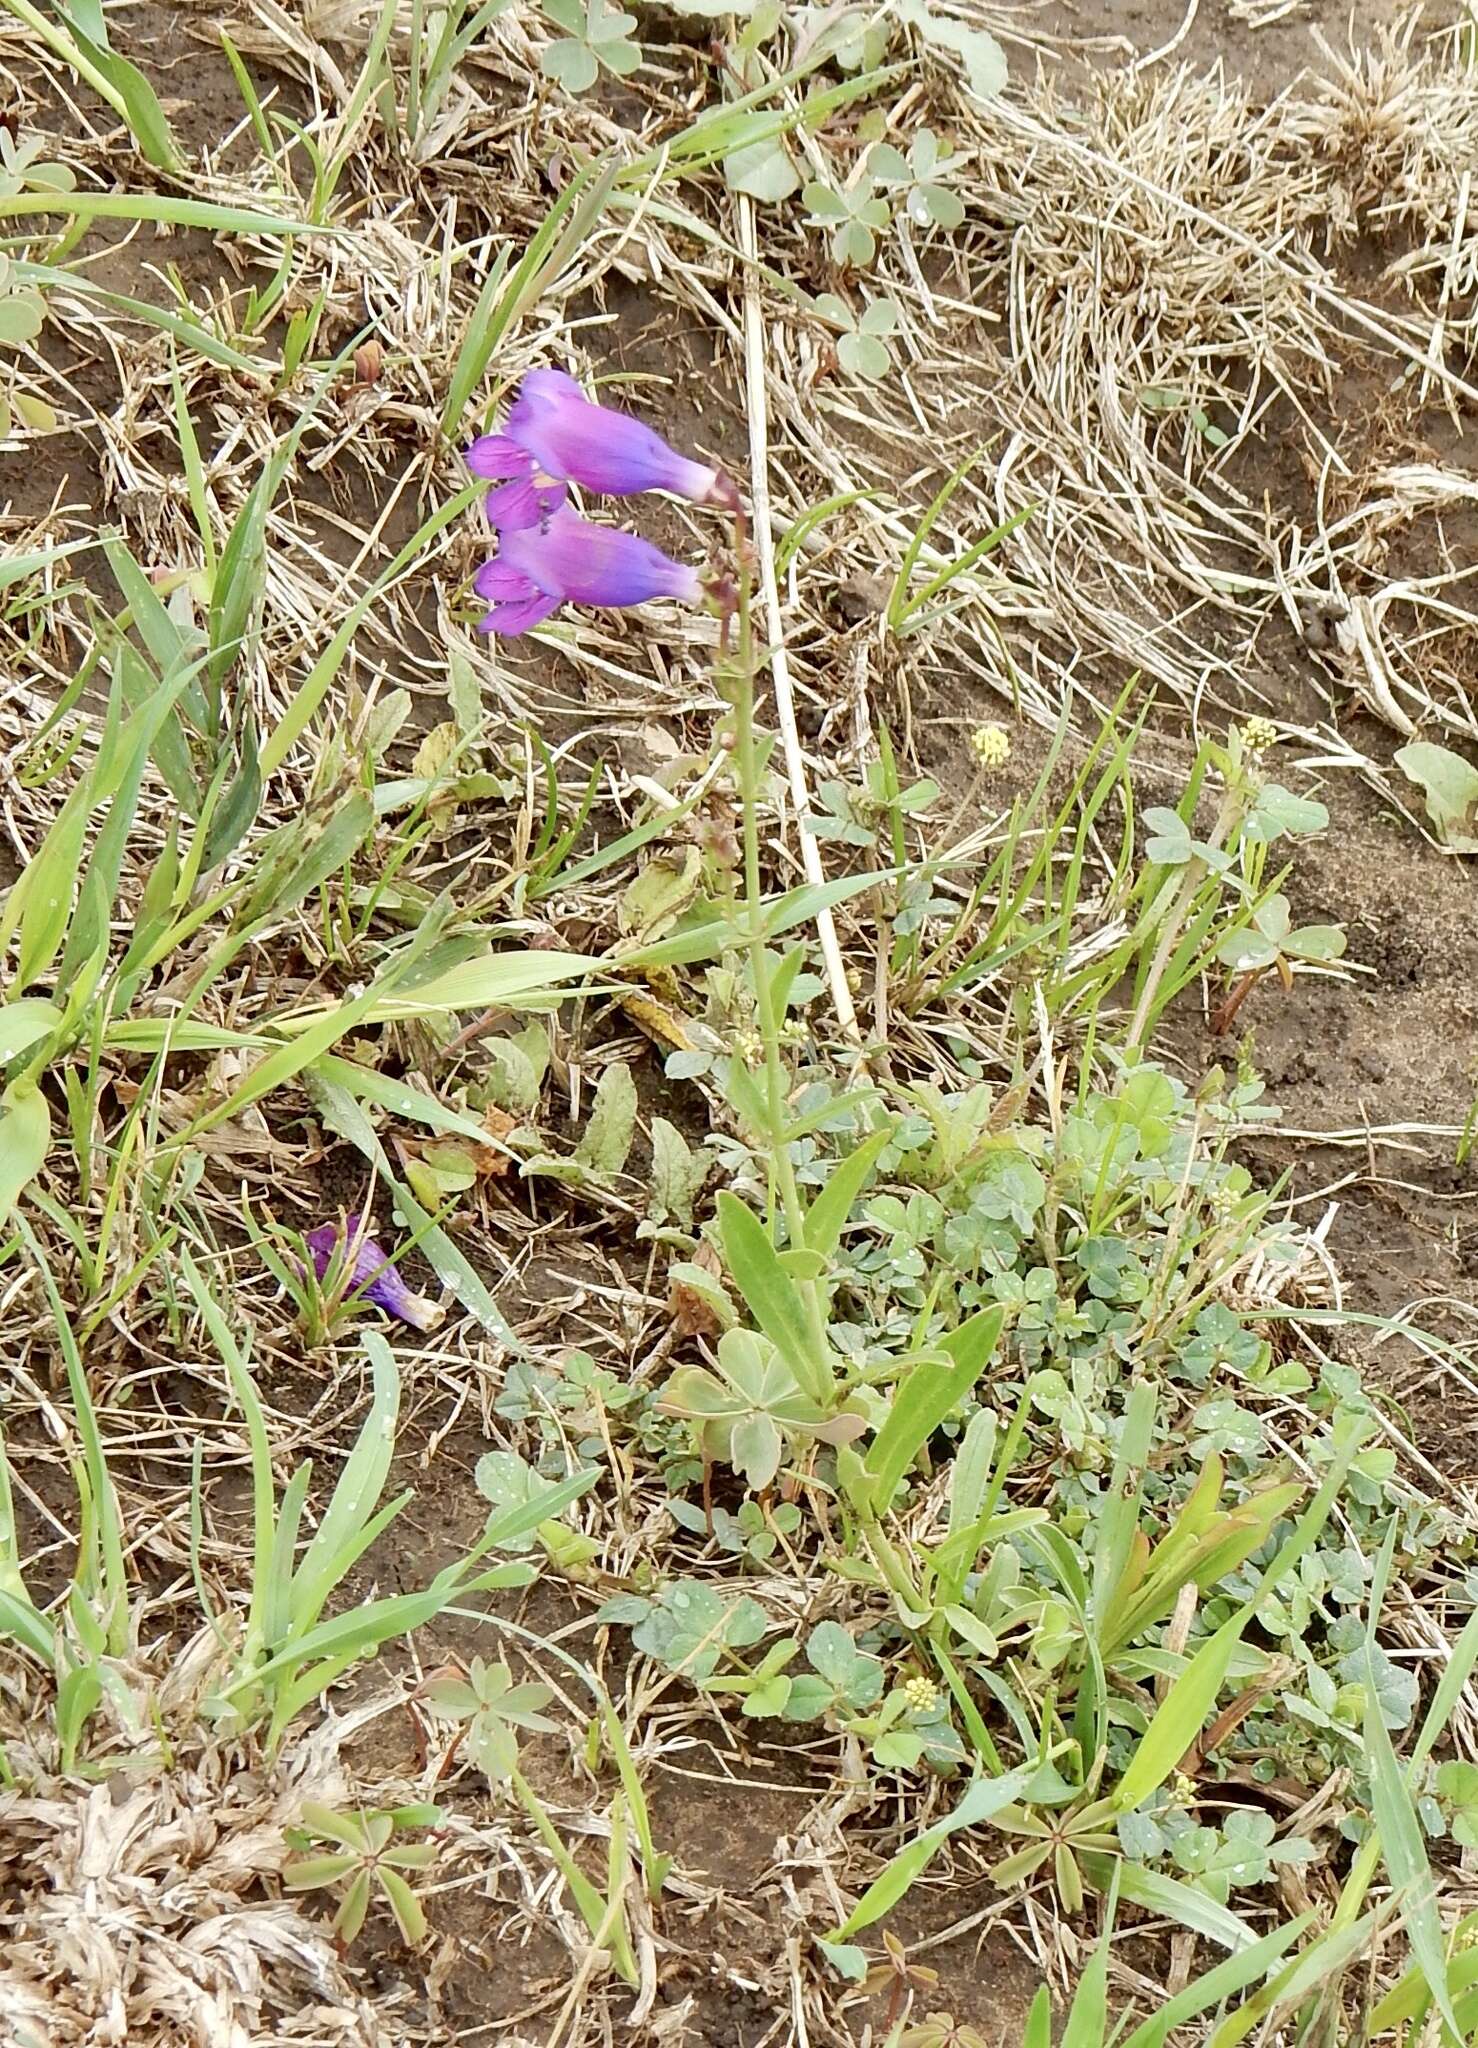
x,y
539,568
373,1275
555,435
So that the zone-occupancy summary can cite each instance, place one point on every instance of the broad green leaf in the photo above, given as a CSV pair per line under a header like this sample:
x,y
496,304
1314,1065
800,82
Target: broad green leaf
x,y
606,1140
24,1023
1183,1903
676,1174
1180,1716
927,1393
969,1473
770,1295
122,84
25,1137
982,56
827,1216
765,170
1450,785
22,1623
22,316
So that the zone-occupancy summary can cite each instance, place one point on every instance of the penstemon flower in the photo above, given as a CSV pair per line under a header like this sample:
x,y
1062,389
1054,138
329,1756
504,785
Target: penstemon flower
x,y
566,559
372,1273
555,435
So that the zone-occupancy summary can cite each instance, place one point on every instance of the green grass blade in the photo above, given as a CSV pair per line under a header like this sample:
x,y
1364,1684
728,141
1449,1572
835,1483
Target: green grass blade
x,y
356,1496
980,1803
926,1394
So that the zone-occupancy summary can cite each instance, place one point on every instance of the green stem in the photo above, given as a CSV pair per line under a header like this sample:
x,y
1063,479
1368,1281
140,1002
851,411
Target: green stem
x,y
1195,873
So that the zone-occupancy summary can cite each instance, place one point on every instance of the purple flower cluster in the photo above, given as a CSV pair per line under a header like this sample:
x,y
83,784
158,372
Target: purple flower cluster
x,y
547,555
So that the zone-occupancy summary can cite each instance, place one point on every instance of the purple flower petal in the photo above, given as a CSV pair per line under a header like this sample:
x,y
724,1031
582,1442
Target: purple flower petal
x,y
496,579
495,456
523,502
602,450
372,1275
572,560
566,559
518,615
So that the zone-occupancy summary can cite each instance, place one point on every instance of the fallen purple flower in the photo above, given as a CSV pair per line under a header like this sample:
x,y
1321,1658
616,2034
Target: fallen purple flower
x,y
373,1275
566,559
555,435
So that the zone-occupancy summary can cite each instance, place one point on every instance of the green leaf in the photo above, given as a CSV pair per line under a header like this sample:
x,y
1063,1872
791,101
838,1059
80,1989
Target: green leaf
x,y
981,1803
1450,785
410,1915
125,87
25,1138
855,1678
569,64
862,355
1317,942
1170,843
928,1392
849,1961
676,1174
771,1297
827,1216
764,170
607,1137
756,1447
1278,810
24,1023
1248,1966
22,1623
522,1497
22,316
1402,1848
982,56
689,1626
1180,1716
1183,1903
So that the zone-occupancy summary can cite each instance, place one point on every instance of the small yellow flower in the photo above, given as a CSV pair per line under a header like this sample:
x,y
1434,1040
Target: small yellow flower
x,y
1258,734
991,746
749,1046
921,1693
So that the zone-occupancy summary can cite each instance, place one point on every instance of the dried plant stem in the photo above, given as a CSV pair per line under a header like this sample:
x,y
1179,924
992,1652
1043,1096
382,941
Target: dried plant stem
x,y
764,544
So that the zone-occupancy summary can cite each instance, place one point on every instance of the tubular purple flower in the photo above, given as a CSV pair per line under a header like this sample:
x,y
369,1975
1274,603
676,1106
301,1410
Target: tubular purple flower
x,y
372,1275
554,432
538,568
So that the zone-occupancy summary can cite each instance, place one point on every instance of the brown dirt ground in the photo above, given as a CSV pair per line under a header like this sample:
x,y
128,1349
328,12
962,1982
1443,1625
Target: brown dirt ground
x,y
1394,1046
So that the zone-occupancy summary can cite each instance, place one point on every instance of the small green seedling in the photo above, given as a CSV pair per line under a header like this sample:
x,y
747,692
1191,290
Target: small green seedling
x,y
370,1858
927,199
1450,785
490,1709
1271,943
853,217
863,349
597,36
